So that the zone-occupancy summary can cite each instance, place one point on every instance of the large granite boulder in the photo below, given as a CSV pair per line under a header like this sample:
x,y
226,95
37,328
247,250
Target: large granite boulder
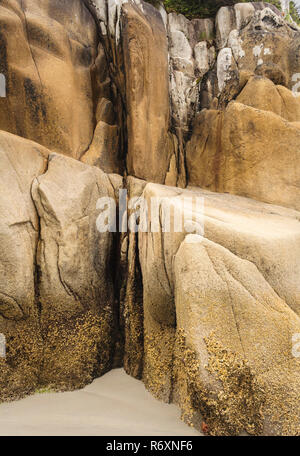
x,y
248,151
21,161
234,334
261,93
203,301
47,60
247,142
56,294
145,47
75,279
219,317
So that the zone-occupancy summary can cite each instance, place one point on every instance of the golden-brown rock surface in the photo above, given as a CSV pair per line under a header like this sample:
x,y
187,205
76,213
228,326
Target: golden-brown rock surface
x,y
103,97
48,49
248,151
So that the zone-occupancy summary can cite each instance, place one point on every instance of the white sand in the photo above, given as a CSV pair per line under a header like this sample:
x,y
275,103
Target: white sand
x,y
112,405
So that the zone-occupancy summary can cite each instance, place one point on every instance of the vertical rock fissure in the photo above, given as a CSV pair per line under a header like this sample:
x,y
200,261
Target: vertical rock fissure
x,y
37,277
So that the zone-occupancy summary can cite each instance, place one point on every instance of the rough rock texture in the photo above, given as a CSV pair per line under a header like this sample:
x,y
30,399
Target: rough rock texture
x,y
261,93
56,291
128,98
249,151
18,221
104,150
238,328
146,68
139,37
47,61
192,283
261,43
66,198
247,142
20,162
191,56
73,257
131,288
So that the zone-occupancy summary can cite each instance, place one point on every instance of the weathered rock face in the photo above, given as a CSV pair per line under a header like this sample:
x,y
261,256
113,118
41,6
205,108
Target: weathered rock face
x,y
191,56
249,149
266,38
261,93
21,161
131,289
18,221
242,147
47,61
66,198
104,150
56,304
146,67
238,317
251,38
217,303
127,97
162,56
73,261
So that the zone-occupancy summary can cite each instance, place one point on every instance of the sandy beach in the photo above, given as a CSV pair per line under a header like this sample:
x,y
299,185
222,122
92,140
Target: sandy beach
x,y
112,405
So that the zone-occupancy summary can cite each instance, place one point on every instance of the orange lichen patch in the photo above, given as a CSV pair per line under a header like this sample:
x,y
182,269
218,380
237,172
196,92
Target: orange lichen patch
x,y
204,428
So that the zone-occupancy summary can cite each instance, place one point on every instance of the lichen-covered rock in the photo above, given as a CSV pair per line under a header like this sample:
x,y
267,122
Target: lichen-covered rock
x,y
226,68
73,261
261,42
191,56
56,295
238,16
124,94
20,162
221,277
239,329
131,288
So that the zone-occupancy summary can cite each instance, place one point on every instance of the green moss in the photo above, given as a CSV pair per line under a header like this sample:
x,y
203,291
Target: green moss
x,y
208,8
294,13
196,8
153,2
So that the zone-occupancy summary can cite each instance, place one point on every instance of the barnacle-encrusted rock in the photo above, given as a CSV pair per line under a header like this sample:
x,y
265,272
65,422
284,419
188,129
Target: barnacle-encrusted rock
x,y
230,302
203,303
